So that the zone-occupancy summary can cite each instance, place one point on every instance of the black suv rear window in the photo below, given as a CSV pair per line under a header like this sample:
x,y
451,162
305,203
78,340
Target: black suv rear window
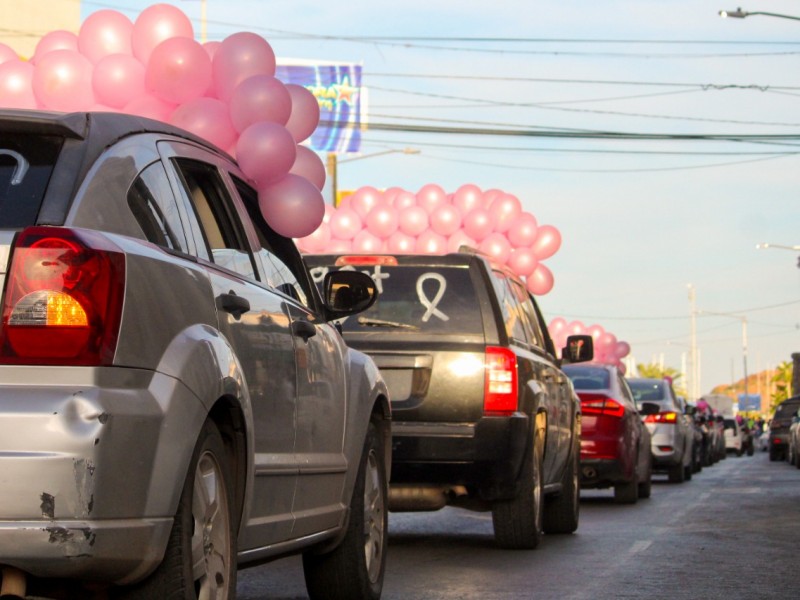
x,y
417,299
26,163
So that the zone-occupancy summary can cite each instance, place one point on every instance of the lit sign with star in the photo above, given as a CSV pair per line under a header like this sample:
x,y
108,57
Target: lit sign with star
x,y
337,87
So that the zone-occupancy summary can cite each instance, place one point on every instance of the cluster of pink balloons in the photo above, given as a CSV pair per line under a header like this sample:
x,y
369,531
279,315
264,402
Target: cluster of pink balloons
x,y
431,221
607,349
225,92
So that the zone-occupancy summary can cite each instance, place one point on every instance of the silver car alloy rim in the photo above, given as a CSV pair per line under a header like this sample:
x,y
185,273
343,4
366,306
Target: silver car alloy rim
x,y
211,541
374,516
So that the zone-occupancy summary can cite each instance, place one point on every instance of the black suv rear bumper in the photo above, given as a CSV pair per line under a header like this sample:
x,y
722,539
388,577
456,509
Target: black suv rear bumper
x,y
485,456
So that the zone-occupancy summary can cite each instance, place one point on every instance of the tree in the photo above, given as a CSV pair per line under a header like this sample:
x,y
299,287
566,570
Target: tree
x,y
656,371
783,382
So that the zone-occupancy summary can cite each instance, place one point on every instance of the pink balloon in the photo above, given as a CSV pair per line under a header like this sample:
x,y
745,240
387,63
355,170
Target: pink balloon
x,y
389,194
506,209
118,79
150,107
467,197
260,98
211,48
522,261
308,164
292,206
179,70
330,210
345,223
304,116
430,242
431,196
318,241
239,57
595,331
557,326
540,281
156,24
606,342
413,220
339,246
445,220
622,349
576,328
365,242
104,33
55,40
266,152
400,243
404,199
382,221
364,199
459,239
478,223
7,53
523,231
490,196
547,243
16,84
207,118
496,245
62,81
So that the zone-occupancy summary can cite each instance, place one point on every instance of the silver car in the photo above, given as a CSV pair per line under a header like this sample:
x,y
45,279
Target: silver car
x,y
672,436
175,401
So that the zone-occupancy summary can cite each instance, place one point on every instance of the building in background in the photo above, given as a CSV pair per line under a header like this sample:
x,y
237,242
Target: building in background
x,y
24,23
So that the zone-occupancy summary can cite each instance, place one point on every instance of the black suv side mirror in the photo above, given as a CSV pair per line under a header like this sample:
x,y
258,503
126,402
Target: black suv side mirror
x,y
348,292
579,348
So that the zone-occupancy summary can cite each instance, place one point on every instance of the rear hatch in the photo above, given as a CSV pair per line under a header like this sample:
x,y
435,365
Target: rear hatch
x,y
425,333
27,160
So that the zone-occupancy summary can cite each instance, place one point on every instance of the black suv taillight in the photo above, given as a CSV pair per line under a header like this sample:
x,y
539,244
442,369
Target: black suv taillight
x,y
62,302
500,382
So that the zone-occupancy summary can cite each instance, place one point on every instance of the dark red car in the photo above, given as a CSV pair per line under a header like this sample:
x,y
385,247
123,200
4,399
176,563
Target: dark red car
x,y
615,444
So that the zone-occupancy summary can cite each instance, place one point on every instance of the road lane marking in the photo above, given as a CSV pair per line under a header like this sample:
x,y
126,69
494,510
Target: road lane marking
x,y
640,546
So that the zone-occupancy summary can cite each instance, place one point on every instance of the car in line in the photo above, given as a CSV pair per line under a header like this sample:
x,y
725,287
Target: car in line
x,y
734,436
672,436
175,399
615,443
483,416
779,427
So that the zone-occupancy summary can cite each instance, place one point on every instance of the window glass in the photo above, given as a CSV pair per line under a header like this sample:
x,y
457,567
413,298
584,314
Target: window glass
x,y
588,378
26,164
645,390
275,271
209,198
509,307
153,205
414,299
532,323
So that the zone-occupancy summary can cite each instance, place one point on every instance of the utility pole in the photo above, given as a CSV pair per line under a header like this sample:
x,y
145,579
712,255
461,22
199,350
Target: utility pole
x,y
693,386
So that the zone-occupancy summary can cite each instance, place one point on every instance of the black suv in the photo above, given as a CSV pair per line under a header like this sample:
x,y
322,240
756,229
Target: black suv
x,y
483,417
779,428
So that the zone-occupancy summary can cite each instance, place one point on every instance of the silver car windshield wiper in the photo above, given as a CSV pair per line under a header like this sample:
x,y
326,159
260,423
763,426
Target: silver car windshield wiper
x,y
381,323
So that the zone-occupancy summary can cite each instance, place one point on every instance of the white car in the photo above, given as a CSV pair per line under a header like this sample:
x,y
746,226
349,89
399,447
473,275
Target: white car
x,y
733,436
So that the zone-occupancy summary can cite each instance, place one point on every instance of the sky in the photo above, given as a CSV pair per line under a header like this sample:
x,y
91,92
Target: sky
x,y
643,221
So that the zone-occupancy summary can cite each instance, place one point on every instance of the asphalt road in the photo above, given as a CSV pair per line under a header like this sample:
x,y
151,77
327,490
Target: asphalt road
x,y
732,532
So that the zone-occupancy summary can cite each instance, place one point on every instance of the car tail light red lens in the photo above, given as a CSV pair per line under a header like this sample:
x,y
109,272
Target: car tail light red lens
x,y
600,404
662,417
63,296
500,382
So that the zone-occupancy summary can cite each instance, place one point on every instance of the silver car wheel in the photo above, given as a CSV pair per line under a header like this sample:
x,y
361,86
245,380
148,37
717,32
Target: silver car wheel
x,y
211,538
374,517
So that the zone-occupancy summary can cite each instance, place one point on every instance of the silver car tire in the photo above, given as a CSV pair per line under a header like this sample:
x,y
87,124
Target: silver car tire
x,y
200,559
355,568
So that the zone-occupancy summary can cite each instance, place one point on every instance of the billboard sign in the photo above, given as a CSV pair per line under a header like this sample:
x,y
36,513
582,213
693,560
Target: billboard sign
x,y
337,87
749,402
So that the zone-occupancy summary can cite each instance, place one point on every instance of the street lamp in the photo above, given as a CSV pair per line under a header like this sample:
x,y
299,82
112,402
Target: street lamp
x,y
334,161
741,14
764,245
